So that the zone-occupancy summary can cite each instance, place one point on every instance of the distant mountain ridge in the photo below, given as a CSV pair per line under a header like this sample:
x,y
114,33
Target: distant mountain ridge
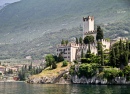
x,y
32,20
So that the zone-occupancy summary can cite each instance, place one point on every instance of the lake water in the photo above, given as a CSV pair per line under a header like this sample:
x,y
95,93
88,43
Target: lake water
x,y
23,88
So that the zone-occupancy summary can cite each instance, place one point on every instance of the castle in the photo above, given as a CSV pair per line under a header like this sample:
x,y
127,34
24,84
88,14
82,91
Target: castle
x,y
72,51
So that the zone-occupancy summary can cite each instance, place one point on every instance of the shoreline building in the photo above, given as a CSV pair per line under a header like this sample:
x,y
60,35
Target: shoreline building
x,y
72,51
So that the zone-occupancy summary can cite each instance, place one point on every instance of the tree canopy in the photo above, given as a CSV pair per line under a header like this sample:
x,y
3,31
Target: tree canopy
x,y
99,33
88,39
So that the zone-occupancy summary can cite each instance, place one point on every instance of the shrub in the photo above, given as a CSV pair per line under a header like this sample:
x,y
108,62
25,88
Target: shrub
x,y
54,66
88,70
64,63
111,73
72,70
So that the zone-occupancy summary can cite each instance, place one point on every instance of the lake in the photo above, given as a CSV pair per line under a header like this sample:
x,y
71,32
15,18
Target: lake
x,y
23,88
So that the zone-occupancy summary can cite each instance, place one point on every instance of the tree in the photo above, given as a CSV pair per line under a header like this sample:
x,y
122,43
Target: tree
x,y
62,42
89,51
77,41
100,52
82,54
88,39
60,57
30,67
80,40
102,57
99,47
99,33
54,66
65,63
113,58
49,60
117,56
66,42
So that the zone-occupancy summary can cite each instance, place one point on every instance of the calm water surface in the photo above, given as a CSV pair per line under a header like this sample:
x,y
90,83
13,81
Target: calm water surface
x,y
23,88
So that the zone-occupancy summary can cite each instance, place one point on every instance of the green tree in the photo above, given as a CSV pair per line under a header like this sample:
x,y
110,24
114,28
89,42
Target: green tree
x,y
99,48
88,39
62,42
66,42
88,70
99,33
54,66
117,56
113,58
100,53
102,57
49,60
65,63
60,58
80,40
82,54
77,41
30,67
126,54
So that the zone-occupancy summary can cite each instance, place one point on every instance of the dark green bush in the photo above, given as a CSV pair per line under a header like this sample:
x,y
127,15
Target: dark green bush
x,y
65,63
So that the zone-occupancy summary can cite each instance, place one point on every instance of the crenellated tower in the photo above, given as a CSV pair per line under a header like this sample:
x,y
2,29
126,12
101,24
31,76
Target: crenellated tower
x,y
88,27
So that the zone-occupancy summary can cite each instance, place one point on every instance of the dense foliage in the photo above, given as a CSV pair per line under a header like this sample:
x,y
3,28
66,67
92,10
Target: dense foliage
x,y
119,54
88,39
99,35
65,63
88,70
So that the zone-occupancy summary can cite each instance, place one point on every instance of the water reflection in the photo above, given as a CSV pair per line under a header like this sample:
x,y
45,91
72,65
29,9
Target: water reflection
x,y
23,88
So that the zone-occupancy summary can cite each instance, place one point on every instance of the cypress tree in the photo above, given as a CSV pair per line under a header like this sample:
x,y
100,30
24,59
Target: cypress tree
x,y
126,59
80,40
66,42
77,42
82,54
99,47
117,56
122,52
62,42
99,33
113,58
102,57
126,54
89,51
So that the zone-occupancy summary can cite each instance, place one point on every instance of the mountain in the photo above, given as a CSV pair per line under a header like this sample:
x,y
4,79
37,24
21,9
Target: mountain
x,y
28,23
2,6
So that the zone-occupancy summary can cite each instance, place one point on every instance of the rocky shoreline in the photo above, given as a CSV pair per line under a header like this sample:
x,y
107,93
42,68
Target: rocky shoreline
x,y
76,80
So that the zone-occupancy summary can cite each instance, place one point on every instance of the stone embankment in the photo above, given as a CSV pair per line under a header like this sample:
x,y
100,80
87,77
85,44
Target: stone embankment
x,y
96,80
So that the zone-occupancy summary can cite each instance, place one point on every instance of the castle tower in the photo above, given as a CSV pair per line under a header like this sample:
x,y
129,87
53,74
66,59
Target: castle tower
x,y
88,26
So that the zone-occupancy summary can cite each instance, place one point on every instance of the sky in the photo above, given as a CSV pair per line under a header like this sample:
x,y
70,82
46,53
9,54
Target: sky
x,y
2,2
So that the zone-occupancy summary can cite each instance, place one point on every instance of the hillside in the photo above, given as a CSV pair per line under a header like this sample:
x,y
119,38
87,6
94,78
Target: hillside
x,y
31,27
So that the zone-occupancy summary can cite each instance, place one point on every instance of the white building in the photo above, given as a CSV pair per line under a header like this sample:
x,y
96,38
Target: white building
x,y
68,51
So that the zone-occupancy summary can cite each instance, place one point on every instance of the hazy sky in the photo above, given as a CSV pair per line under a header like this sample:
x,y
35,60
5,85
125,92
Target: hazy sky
x,y
2,2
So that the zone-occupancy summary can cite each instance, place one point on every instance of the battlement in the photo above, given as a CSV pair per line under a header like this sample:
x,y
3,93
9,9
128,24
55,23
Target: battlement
x,y
90,32
103,40
88,18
